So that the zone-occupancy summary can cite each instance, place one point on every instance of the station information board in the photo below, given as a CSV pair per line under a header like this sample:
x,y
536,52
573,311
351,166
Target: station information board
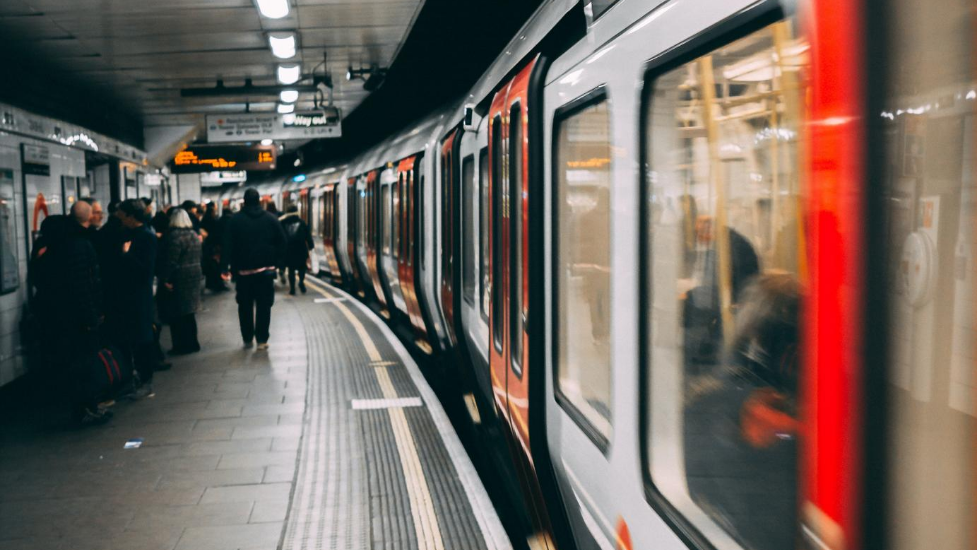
x,y
323,123
208,158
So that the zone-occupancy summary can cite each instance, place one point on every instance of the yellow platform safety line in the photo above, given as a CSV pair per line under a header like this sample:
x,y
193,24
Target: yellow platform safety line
x,y
422,505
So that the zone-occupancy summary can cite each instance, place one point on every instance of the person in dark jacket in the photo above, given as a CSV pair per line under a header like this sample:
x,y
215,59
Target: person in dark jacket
x,y
131,296
297,248
68,302
253,246
180,277
212,249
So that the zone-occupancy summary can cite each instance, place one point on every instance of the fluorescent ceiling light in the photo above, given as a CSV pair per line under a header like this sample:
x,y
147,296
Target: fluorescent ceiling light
x,y
289,74
282,45
289,96
267,142
286,109
273,9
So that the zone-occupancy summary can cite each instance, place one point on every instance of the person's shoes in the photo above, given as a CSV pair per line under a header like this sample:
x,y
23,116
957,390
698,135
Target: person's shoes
x,y
262,346
163,366
302,287
292,292
142,392
93,418
104,405
248,344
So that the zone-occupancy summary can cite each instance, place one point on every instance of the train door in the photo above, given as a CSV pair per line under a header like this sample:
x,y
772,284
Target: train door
x,y
511,188
372,239
474,255
448,186
356,226
387,263
409,256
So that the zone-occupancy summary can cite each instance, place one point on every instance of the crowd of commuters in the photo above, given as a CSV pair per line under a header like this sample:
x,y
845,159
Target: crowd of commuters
x,y
102,291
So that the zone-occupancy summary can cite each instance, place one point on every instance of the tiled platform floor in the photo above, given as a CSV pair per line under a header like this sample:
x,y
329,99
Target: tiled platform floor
x,y
227,438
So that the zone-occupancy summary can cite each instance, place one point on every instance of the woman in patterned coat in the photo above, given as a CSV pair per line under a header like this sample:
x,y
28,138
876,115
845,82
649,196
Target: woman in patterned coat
x,y
180,277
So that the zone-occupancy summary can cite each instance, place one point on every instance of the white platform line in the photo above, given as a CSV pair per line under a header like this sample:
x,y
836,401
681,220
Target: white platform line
x,y
398,403
328,300
488,519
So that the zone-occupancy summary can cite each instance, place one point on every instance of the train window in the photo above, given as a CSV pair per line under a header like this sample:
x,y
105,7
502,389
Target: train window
x,y
468,240
583,268
361,217
445,221
723,289
483,229
419,207
515,240
498,218
386,220
398,213
9,268
929,251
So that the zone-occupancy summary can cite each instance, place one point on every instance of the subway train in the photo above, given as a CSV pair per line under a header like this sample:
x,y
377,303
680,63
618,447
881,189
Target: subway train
x,y
707,265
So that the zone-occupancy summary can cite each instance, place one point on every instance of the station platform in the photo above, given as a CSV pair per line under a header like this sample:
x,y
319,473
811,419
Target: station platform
x,y
331,439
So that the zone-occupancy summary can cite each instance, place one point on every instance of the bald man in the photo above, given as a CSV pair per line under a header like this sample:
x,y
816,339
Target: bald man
x,y
97,214
81,212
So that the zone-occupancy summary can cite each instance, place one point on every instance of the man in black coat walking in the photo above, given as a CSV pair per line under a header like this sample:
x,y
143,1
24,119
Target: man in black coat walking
x,y
254,243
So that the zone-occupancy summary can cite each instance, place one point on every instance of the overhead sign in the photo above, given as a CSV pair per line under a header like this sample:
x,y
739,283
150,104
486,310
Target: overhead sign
x,y
36,160
259,126
220,178
207,158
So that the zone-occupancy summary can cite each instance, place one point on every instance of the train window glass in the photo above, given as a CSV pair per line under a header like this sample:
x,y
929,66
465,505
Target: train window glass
x,y
498,218
468,240
398,214
386,220
583,211
929,251
9,257
445,251
361,217
483,233
515,232
725,241
419,207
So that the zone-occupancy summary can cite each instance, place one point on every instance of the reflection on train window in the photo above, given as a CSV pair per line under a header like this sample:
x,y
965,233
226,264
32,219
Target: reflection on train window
x,y
931,210
726,242
583,169
385,219
483,231
468,224
9,268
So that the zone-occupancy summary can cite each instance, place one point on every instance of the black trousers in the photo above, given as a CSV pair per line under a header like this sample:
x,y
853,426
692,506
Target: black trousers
x,y
255,296
183,329
291,277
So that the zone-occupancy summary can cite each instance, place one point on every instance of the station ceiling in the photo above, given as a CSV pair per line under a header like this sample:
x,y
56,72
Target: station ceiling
x,y
146,51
